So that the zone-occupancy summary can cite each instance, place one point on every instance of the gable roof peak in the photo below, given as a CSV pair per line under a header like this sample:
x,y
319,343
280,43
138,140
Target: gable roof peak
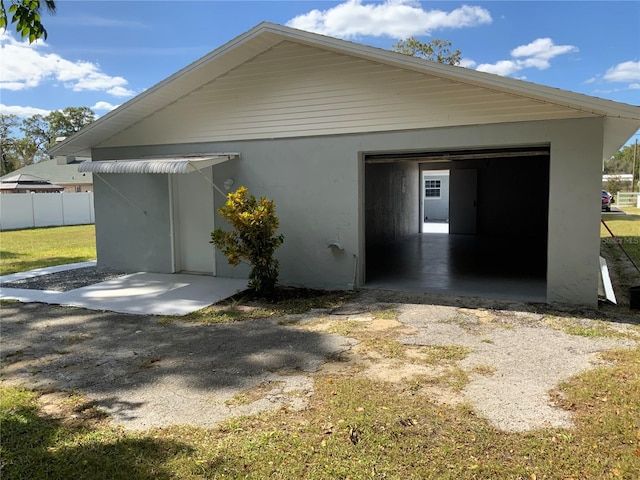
x,y
266,35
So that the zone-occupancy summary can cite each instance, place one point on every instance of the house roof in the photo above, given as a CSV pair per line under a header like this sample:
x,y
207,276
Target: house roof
x,y
21,181
621,120
50,170
22,178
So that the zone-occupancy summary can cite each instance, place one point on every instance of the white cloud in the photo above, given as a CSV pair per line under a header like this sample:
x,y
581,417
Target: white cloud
x,y
104,106
503,67
392,18
536,54
119,91
22,111
624,72
25,66
467,63
542,48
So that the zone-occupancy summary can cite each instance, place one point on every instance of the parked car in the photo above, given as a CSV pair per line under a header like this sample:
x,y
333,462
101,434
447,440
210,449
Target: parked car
x,y
607,200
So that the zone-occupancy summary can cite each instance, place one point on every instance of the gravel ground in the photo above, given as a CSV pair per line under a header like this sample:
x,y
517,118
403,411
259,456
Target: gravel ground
x,y
149,374
64,281
519,357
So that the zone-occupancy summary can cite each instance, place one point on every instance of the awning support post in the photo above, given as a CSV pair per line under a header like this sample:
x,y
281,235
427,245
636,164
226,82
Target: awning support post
x,y
211,182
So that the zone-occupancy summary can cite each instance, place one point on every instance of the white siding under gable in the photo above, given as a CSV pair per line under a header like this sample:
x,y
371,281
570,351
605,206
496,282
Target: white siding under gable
x,y
295,90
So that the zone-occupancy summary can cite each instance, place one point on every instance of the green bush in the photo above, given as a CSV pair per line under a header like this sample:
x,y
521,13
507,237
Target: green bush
x,y
253,238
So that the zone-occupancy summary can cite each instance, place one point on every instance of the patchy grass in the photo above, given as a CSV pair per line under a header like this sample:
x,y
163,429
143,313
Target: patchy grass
x,y
590,328
254,394
627,229
148,362
22,250
485,370
77,338
439,354
478,321
245,306
386,314
353,428
36,445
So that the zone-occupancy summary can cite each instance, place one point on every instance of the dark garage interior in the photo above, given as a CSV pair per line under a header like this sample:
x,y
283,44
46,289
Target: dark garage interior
x,y
498,204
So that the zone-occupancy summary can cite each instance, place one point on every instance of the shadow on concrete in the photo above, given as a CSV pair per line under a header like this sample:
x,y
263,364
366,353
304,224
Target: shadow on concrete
x,y
129,361
106,351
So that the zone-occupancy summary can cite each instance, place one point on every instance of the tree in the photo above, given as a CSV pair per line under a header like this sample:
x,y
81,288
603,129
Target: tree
x,y
43,130
436,50
7,124
621,162
68,121
26,15
24,152
616,184
253,238
36,128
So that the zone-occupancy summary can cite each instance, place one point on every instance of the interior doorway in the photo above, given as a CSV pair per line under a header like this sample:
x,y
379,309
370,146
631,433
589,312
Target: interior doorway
x,y
435,201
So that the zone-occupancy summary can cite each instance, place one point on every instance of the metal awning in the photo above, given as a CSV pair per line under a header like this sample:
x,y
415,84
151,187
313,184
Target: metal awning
x,y
177,164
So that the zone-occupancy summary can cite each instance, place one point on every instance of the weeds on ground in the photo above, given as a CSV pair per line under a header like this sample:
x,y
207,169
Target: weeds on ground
x,y
248,306
590,328
353,428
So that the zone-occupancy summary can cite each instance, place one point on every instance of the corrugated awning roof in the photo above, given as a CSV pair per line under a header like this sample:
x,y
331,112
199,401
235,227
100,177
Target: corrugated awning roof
x,y
182,164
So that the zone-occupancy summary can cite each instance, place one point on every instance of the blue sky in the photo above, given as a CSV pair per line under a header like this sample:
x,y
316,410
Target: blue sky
x,y
100,54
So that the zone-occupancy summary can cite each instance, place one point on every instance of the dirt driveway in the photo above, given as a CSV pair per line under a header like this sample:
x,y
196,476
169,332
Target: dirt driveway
x,y
147,372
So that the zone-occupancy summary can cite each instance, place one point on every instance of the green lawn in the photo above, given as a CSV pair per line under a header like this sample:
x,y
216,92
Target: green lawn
x,y
22,250
627,229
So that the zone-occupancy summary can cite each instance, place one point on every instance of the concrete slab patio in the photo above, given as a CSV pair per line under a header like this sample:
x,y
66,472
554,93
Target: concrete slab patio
x,y
138,293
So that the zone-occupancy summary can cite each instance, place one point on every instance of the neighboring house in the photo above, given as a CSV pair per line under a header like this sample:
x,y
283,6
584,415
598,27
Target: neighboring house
x,y
62,171
23,183
338,134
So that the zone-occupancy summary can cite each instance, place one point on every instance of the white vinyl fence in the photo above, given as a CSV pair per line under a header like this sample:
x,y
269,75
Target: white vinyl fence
x,y
627,199
27,210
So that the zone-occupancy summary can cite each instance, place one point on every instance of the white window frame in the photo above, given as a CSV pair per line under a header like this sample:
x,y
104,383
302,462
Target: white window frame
x,y
433,185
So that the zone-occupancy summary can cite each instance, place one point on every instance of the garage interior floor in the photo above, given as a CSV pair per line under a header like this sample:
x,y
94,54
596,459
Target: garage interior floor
x,y
461,265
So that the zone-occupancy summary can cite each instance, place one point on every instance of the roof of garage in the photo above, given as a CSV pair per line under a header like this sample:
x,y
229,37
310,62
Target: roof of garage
x,y
621,120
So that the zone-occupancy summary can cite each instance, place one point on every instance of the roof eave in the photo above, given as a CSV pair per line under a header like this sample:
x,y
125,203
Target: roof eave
x,y
82,142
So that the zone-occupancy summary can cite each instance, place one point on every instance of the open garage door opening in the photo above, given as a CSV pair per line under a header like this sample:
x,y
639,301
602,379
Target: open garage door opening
x,y
494,204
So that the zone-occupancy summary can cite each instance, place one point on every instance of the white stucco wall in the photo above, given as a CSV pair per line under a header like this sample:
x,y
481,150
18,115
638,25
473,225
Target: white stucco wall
x,y
574,213
317,184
